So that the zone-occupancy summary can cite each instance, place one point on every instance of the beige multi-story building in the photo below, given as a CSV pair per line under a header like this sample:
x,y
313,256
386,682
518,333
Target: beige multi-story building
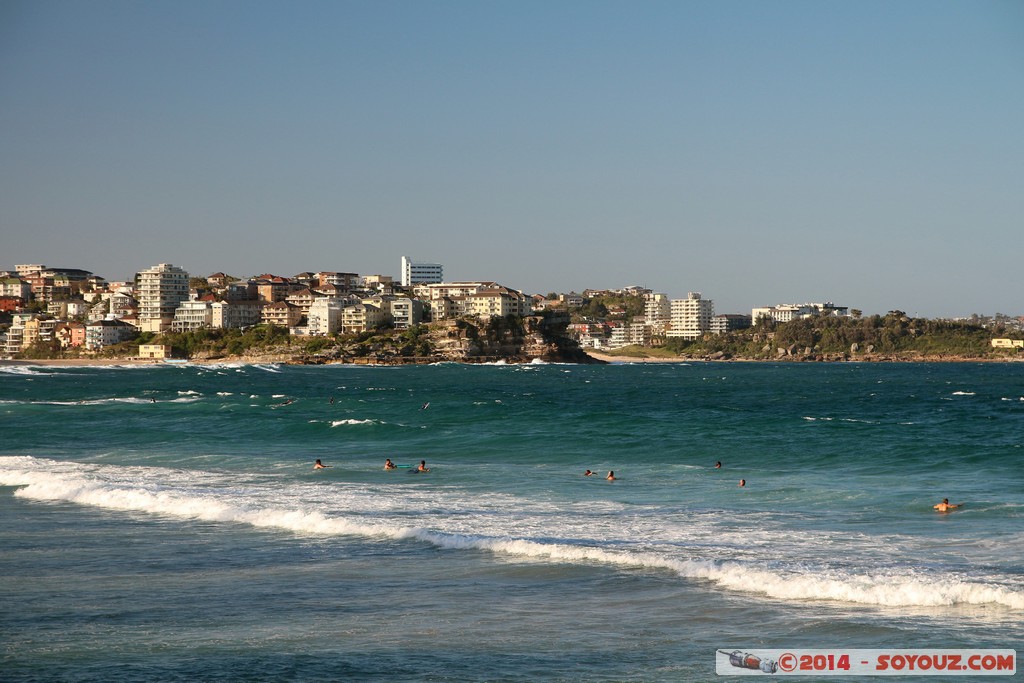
x,y
235,314
345,282
691,317
280,314
37,330
406,312
486,299
160,290
361,318
301,299
496,301
271,288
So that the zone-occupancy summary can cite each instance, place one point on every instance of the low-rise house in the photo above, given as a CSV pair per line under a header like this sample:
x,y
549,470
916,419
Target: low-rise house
x,y
70,334
68,309
9,304
157,351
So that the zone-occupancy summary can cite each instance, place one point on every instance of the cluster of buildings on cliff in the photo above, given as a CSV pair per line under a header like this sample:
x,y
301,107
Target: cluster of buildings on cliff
x,y
75,308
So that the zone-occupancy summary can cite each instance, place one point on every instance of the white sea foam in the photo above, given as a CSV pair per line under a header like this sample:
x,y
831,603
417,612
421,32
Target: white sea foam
x,y
23,370
352,421
267,368
215,498
963,393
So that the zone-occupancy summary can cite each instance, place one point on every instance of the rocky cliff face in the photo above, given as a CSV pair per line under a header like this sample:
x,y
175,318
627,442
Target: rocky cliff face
x,y
512,339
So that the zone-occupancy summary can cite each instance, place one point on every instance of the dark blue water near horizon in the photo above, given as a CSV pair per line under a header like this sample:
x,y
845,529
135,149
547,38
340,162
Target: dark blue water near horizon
x,y
165,522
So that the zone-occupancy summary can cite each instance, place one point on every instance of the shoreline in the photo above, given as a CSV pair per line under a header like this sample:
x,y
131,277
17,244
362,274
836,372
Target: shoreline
x,y
599,357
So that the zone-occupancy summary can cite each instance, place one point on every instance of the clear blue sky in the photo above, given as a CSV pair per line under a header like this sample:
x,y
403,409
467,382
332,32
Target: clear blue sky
x,y
867,153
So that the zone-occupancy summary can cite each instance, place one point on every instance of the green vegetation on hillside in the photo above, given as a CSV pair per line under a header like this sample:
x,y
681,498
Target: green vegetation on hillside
x,y
893,334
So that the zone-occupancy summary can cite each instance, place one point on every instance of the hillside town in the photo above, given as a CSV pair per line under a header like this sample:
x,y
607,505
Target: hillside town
x,y
58,309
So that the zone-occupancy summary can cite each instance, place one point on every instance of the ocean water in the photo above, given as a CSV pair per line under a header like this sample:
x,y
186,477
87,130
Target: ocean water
x,y
164,523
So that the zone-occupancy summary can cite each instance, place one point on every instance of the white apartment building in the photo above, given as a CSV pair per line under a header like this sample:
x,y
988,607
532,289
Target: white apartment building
x,y
192,315
629,334
784,313
691,317
161,288
657,312
420,273
324,317
361,318
15,287
15,337
106,333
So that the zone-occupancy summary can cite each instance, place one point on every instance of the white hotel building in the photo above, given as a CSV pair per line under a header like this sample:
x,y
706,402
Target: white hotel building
x,y
420,273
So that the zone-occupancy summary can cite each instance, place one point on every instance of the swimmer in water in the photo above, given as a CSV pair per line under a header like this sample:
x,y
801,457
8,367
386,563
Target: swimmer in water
x,y
718,465
945,506
422,467
611,476
743,482
588,473
388,465
319,465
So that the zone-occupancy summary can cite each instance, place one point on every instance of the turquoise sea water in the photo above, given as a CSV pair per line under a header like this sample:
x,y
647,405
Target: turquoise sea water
x,y
164,523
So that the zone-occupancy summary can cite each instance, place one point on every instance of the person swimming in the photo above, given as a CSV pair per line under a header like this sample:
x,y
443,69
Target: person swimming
x,y
743,482
422,467
388,465
945,505
718,465
611,476
319,465
588,473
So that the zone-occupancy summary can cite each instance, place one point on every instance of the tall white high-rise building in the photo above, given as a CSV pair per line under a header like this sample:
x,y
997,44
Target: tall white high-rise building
x,y
420,273
160,290
691,317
